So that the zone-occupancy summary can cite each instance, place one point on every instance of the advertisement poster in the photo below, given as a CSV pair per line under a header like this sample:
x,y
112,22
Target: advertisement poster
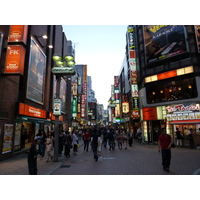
x,y
36,73
163,41
18,127
197,32
7,140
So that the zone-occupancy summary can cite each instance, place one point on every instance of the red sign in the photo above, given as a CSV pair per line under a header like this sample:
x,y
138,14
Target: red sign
x,y
31,111
15,57
149,113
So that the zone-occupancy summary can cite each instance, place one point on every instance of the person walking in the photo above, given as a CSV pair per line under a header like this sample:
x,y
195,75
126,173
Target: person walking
x,y
49,146
190,138
86,138
94,143
178,138
32,156
100,141
43,138
120,139
130,140
164,145
68,143
75,143
125,138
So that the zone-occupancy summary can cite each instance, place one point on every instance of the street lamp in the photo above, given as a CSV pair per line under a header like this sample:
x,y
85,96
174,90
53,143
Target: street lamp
x,y
62,66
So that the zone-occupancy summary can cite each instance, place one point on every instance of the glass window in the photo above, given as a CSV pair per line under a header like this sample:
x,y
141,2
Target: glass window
x,y
163,91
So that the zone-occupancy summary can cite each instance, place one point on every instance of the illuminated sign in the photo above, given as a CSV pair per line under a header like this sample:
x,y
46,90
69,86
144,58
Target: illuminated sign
x,y
15,57
31,111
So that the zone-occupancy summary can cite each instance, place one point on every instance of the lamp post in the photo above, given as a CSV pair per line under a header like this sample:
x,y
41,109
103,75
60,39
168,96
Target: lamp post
x,y
62,66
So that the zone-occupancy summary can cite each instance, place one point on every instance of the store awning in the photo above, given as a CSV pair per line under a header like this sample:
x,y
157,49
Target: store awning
x,y
185,122
32,119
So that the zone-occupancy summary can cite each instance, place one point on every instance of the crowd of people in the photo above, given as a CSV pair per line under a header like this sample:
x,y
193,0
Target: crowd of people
x,y
94,138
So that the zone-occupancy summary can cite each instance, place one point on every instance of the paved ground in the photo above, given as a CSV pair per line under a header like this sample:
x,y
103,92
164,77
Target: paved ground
x,y
140,159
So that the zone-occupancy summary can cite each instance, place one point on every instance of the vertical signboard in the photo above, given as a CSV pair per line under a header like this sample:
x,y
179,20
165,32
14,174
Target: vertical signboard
x,y
133,72
197,32
15,57
7,140
63,89
57,107
163,41
36,73
84,95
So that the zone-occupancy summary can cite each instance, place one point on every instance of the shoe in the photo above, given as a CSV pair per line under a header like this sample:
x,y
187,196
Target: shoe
x,y
167,170
96,158
125,148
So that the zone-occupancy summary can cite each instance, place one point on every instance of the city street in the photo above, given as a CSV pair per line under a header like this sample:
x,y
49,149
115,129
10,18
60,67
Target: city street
x,y
140,159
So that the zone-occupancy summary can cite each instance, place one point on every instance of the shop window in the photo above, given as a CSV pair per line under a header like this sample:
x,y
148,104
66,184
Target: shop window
x,y
171,90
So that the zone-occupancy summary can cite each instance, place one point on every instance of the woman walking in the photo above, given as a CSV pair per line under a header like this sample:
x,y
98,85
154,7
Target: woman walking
x,y
49,147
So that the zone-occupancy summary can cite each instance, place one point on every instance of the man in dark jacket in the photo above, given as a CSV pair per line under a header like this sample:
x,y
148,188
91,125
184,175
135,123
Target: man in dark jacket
x,y
94,143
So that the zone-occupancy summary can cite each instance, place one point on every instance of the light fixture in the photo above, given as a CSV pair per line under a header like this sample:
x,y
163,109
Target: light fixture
x,y
190,86
161,91
153,93
179,88
170,89
57,57
42,36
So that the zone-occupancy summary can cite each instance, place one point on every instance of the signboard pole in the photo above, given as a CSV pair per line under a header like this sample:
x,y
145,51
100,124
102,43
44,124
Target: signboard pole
x,y
56,135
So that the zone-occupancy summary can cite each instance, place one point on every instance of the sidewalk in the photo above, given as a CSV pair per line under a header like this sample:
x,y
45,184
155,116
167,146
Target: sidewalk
x,y
140,152
19,165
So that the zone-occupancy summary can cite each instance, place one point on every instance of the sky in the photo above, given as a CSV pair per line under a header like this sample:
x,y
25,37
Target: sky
x,y
102,49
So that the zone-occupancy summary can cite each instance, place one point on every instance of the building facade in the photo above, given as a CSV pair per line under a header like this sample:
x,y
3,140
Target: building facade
x,y
167,57
27,85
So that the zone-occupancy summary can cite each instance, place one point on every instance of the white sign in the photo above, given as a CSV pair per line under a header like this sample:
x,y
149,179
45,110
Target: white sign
x,y
57,107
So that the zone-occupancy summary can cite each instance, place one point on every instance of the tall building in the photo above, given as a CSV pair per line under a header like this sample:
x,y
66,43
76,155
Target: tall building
x,y
168,60
27,84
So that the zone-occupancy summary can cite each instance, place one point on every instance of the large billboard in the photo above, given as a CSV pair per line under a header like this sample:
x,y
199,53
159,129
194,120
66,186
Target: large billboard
x,y
36,73
163,41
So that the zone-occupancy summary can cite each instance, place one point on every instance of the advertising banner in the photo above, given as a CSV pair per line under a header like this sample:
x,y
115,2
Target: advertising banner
x,y
63,89
18,33
7,140
36,73
163,41
15,57
197,32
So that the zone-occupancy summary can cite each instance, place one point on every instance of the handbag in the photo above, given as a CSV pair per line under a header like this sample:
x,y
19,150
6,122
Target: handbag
x,y
173,145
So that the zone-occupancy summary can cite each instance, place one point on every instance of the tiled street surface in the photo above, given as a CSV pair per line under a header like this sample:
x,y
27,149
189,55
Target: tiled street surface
x,y
140,159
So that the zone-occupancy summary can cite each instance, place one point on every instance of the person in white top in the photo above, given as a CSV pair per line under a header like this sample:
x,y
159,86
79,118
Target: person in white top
x,y
75,142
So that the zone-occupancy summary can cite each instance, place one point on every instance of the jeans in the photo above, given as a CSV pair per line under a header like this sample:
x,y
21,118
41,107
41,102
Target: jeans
x,y
166,158
86,145
94,147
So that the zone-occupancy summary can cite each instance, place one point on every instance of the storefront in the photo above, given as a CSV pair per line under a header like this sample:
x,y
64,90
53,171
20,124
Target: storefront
x,y
152,120
28,122
185,116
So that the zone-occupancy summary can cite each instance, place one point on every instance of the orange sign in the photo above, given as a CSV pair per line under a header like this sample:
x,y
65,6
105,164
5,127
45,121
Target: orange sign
x,y
18,33
149,113
31,111
15,57
167,75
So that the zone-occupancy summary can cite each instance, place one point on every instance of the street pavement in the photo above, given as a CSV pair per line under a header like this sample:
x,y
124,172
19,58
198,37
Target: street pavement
x,y
140,159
